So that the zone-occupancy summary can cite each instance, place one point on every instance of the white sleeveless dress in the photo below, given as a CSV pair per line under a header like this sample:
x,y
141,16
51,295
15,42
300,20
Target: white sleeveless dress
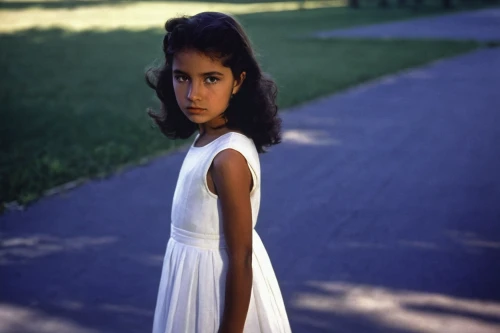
x,y
192,285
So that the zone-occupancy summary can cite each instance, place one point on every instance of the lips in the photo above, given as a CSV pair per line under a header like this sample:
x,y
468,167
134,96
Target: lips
x,y
195,110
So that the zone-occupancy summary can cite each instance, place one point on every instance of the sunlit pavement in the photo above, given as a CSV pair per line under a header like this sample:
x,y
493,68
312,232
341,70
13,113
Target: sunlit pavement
x,y
380,212
481,25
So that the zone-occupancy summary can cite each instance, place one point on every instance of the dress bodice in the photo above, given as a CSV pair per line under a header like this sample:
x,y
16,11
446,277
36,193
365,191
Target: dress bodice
x,y
194,207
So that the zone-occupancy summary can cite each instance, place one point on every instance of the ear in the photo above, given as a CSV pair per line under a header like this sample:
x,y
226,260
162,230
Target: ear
x,y
238,82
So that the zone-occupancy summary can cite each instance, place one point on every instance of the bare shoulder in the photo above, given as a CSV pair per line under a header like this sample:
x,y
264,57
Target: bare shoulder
x,y
230,172
230,160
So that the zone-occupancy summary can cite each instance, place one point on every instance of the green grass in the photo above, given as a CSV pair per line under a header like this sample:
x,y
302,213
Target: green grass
x,y
73,104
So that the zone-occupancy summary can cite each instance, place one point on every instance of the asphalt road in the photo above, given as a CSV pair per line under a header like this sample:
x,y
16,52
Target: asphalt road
x,y
480,25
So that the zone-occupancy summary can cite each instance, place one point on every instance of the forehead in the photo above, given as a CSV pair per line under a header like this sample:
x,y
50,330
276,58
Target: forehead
x,y
195,61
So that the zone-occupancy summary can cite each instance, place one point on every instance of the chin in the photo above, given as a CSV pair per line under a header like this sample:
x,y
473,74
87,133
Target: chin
x,y
196,118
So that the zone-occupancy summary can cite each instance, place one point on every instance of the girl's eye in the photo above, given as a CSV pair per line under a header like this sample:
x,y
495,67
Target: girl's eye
x,y
180,78
211,79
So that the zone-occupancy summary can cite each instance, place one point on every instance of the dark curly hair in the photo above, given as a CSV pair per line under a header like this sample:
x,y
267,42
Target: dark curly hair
x,y
253,110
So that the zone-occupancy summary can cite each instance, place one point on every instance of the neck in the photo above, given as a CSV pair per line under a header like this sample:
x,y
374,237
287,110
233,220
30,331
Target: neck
x,y
214,127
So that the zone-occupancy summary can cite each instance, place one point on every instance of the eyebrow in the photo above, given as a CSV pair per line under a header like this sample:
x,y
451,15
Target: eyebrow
x,y
178,71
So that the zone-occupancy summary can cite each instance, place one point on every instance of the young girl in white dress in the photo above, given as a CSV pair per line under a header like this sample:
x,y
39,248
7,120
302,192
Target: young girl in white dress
x,y
217,276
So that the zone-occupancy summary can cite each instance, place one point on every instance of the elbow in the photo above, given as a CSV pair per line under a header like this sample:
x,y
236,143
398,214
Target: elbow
x,y
242,258
248,258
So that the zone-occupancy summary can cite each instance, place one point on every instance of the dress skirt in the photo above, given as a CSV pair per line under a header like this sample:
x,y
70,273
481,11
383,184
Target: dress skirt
x,y
192,287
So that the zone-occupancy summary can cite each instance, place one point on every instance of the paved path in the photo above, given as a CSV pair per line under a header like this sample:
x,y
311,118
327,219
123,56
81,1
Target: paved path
x,y
481,25
380,212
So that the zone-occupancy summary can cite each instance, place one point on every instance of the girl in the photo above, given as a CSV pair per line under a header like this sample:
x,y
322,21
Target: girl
x,y
217,276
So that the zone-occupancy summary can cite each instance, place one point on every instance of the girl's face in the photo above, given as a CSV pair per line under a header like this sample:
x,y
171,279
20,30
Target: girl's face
x,y
203,87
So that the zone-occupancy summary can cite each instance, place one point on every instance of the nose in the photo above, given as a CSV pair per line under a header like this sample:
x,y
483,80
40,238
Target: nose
x,y
194,92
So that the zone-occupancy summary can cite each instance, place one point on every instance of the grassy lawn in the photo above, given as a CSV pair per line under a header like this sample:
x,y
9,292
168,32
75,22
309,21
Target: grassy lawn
x,y
73,103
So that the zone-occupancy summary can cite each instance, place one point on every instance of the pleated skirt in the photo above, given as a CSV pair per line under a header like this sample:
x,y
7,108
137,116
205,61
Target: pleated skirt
x,y
192,287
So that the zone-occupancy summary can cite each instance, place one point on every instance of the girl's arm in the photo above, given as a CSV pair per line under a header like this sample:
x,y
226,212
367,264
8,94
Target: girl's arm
x,y
233,181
